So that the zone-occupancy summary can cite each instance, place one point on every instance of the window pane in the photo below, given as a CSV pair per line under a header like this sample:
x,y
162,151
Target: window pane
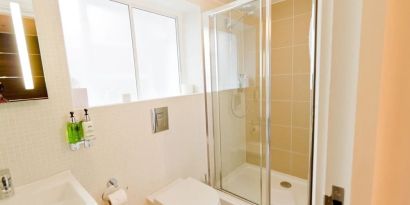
x,y
98,41
157,54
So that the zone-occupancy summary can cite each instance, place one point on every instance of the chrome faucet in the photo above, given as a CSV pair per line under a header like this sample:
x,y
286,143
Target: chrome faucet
x,y
6,184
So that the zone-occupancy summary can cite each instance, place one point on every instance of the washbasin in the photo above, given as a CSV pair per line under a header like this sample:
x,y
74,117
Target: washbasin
x,y
60,189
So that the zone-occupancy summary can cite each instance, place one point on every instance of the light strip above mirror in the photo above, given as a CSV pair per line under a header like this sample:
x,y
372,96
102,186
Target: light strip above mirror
x,y
22,45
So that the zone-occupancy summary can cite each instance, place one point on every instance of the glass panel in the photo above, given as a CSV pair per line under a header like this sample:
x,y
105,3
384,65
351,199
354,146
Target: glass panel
x,y
235,75
98,43
157,54
243,90
291,100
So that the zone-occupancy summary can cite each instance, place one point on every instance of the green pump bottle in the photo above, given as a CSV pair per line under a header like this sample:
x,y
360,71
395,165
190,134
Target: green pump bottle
x,y
73,132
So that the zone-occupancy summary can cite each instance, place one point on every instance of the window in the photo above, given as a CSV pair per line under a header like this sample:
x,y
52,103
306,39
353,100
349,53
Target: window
x,y
98,42
156,45
115,57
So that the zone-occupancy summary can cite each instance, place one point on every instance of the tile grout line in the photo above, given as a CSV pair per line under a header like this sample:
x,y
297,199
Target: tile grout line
x,y
292,87
294,45
293,16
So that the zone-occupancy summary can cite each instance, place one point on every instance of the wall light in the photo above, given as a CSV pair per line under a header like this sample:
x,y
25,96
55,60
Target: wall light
x,y
22,45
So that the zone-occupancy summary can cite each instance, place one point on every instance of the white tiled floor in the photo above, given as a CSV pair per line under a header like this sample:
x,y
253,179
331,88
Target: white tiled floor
x,y
245,182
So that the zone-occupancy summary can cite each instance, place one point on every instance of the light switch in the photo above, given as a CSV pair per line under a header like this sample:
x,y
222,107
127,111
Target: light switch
x,y
159,119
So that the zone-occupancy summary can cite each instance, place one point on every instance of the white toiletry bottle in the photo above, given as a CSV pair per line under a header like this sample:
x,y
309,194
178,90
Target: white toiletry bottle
x,y
88,130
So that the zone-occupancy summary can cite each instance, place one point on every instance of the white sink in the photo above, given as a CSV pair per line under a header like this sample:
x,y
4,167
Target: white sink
x,y
60,189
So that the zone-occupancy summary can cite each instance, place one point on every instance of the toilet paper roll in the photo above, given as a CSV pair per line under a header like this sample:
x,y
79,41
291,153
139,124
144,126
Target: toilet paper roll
x,y
118,197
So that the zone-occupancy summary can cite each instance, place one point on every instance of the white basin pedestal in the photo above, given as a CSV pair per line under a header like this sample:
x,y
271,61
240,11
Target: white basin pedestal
x,y
60,189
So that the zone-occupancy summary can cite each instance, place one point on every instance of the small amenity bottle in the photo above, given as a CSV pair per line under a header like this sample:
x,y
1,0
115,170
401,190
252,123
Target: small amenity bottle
x,y
73,133
88,130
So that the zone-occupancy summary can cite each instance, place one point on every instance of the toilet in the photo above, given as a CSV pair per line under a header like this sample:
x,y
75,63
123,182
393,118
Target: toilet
x,y
185,192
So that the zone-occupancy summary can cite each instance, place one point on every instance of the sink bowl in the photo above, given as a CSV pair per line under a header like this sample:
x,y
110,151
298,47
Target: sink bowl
x,y
60,189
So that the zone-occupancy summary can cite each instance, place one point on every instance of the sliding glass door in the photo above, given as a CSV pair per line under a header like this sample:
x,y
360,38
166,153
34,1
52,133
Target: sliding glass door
x,y
259,79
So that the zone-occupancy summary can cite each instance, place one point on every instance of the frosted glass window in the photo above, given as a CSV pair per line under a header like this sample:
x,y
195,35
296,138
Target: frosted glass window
x,y
157,55
98,42
112,60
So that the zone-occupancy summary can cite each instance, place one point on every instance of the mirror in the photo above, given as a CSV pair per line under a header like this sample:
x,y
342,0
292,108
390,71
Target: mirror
x,y
21,70
125,51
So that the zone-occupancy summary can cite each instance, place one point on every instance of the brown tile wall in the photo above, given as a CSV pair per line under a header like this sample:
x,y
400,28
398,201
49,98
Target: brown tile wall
x,y
290,91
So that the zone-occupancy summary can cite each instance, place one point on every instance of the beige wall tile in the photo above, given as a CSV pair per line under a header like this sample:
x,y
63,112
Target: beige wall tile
x,y
301,59
280,160
252,158
281,137
252,132
303,6
252,93
300,166
302,26
253,147
290,90
282,61
281,113
301,114
252,112
281,88
282,33
301,87
282,10
301,140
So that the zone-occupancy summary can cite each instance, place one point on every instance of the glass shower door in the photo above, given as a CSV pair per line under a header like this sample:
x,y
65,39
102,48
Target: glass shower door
x,y
234,76
259,78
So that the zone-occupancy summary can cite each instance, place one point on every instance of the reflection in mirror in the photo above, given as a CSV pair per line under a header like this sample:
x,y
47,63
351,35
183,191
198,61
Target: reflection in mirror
x,y
21,70
121,52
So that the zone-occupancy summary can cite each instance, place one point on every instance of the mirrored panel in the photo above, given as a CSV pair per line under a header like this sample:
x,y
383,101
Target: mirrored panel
x,y
21,70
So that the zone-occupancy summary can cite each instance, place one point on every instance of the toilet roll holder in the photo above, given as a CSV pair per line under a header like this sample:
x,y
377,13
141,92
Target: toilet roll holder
x,y
112,186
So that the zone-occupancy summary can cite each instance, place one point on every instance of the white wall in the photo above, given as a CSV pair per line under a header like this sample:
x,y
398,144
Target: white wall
x,y
32,139
339,60
343,93
348,144
323,70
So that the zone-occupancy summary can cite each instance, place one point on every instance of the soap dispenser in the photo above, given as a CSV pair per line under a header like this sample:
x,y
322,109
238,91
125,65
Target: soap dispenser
x,y
74,136
88,130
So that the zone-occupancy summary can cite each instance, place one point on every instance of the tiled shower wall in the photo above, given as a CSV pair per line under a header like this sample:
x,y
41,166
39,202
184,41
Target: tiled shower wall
x,y
291,92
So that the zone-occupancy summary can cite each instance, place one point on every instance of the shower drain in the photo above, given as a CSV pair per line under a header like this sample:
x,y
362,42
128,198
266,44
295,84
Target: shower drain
x,y
286,184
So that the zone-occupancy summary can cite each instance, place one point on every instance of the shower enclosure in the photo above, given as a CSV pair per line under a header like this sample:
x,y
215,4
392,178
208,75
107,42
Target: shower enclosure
x,y
260,80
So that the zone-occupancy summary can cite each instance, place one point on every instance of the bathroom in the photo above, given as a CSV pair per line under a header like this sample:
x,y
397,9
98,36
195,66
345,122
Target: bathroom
x,y
213,102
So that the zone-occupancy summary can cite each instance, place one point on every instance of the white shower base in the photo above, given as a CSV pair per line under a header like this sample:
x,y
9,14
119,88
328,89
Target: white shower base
x,y
244,181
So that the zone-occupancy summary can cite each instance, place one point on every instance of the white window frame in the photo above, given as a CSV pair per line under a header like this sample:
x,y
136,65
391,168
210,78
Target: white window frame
x,y
162,12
